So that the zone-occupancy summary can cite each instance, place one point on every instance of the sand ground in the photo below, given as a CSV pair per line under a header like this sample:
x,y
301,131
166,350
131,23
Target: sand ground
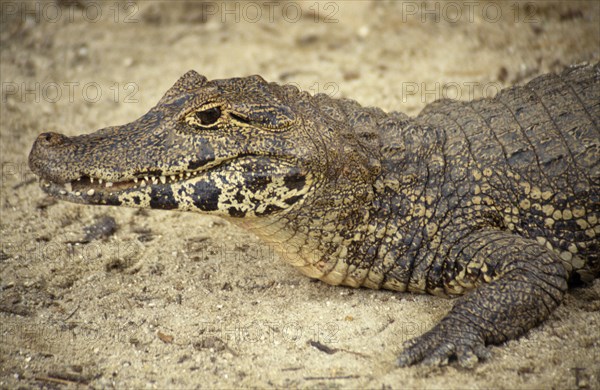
x,y
182,301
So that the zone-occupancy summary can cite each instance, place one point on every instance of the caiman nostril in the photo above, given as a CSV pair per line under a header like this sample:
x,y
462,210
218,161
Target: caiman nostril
x,y
51,139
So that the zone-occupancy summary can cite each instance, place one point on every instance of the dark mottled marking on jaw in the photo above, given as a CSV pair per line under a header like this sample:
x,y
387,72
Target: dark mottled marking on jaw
x,y
258,183
239,197
192,165
204,155
270,209
154,172
206,196
113,201
293,199
295,181
236,213
136,200
162,198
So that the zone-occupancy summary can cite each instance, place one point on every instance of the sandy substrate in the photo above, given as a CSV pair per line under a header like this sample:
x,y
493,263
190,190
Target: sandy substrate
x,y
183,300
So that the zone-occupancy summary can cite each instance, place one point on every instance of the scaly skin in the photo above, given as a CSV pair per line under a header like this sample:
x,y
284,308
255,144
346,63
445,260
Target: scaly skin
x,y
498,198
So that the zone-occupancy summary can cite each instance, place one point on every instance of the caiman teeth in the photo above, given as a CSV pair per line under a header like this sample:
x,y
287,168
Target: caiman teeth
x,y
90,186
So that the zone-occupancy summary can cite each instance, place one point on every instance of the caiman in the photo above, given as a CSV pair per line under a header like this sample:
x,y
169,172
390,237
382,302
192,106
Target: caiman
x,y
496,201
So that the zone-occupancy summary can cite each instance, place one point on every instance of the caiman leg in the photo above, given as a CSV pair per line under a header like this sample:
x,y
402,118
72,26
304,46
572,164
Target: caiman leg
x,y
522,282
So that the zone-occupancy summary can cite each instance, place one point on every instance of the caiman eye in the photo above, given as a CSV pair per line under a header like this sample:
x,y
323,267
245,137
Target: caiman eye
x,y
209,116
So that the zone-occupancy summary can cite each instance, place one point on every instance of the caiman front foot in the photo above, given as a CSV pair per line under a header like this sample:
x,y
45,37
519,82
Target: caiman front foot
x,y
527,282
449,340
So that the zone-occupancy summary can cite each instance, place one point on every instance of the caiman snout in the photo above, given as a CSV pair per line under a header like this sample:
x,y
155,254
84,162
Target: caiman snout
x,y
47,156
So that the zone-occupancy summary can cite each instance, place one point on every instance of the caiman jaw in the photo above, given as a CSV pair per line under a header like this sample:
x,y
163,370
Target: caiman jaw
x,y
88,186
221,187
89,190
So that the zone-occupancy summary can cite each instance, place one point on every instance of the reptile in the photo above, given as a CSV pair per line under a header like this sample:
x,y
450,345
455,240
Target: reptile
x,y
494,202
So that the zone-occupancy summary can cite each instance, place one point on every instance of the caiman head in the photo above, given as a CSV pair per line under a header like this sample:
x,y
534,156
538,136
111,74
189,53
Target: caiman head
x,y
238,147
